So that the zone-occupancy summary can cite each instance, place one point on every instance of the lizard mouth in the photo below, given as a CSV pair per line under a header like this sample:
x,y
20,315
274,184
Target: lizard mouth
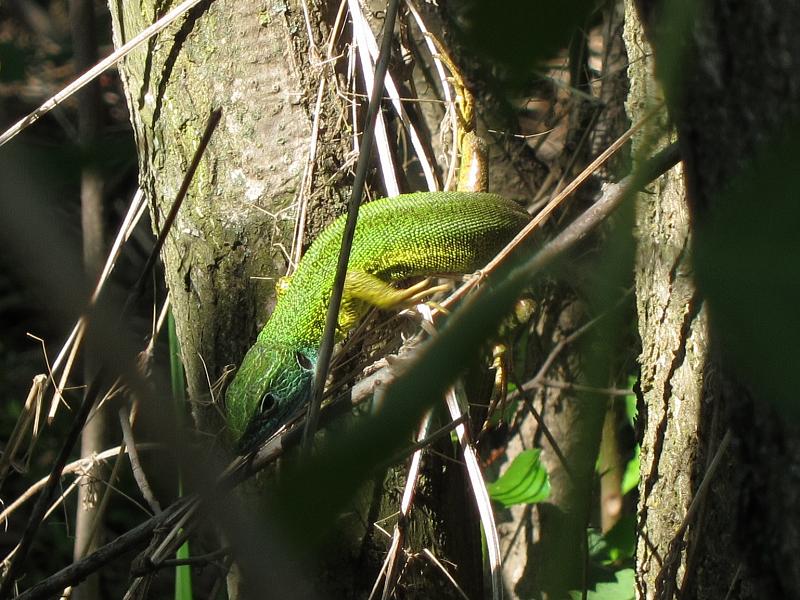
x,y
284,377
265,423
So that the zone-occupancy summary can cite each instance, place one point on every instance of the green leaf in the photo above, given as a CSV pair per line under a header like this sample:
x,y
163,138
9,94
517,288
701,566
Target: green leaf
x,y
622,588
631,410
517,35
747,262
525,481
183,575
630,479
615,546
620,541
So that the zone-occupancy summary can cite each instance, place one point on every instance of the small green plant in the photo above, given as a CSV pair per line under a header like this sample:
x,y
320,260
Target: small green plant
x,y
525,481
183,573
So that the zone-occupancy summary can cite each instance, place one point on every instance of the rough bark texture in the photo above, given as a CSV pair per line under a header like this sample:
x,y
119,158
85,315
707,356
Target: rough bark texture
x,y
737,90
672,326
234,230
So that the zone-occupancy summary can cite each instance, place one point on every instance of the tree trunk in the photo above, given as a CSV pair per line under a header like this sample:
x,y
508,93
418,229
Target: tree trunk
x,y
743,542
544,546
234,231
672,326
89,520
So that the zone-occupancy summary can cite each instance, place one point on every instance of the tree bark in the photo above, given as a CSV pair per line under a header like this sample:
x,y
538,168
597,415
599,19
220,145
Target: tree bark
x,y
672,327
736,91
89,519
233,233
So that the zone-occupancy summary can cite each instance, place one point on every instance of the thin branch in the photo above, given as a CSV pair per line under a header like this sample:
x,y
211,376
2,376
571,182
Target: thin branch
x,y
103,506
68,469
438,564
200,559
448,98
98,69
479,491
549,208
39,509
326,349
398,537
538,380
136,465
481,495
53,506
76,572
89,513
394,97
576,387
135,212
613,196
361,43
306,181
545,430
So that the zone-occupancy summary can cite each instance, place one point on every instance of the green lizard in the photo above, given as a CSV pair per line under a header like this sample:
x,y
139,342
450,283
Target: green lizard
x,y
426,233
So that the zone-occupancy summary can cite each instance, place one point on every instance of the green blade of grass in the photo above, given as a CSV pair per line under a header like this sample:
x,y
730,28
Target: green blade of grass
x,y
183,573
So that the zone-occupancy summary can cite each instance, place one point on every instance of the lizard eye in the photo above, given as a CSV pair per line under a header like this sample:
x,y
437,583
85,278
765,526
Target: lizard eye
x,y
303,361
266,404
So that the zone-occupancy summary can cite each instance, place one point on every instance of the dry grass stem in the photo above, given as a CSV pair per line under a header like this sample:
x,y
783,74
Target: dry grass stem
x,y
70,348
390,565
452,164
430,556
95,71
361,35
479,491
29,420
542,216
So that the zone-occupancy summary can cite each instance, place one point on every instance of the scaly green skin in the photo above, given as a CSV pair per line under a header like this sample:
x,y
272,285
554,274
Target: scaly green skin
x,y
426,233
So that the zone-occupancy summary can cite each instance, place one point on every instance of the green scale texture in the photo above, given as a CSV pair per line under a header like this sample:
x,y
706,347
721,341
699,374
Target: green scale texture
x,y
425,233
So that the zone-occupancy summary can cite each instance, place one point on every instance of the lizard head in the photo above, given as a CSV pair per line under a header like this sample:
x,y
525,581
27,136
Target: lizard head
x,y
273,381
